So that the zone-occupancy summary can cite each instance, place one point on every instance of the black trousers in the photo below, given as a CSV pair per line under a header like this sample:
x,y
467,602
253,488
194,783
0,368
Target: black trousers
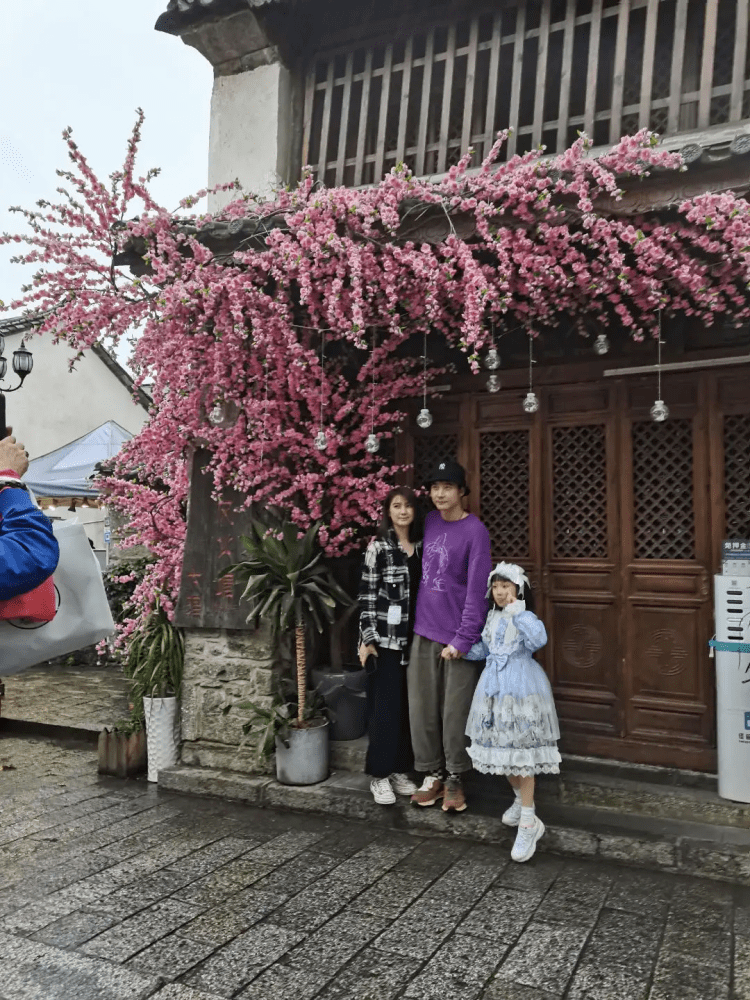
x,y
390,748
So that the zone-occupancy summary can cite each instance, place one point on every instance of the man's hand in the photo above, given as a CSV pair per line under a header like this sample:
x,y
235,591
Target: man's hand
x,y
13,456
365,651
451,653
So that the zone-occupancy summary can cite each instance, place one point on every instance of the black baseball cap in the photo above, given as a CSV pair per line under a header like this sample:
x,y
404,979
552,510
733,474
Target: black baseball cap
x,y
448,471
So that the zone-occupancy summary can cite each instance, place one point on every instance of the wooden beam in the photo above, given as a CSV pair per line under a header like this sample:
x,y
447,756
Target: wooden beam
x,y
738,66
618,77
563,107
471,75
489,121
515,85
707,62
592,74
541,74
450,61
344,123
363,116
647,66
308,113
404,110
385,93
424,107
678,61
323,152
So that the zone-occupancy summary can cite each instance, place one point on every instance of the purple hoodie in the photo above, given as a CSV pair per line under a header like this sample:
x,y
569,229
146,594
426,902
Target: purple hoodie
x,y
456,563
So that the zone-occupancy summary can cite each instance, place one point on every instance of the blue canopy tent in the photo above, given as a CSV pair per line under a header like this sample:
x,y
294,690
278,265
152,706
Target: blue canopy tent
x,y
69,471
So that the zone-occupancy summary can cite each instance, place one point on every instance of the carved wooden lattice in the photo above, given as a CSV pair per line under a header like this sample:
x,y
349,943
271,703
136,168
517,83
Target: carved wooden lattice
x,y
504,458
664,523
548,70
737,475
430,449
579,492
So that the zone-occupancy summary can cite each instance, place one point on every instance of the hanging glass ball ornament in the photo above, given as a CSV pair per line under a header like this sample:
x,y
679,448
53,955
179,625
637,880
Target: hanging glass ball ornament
x,y
601,344
424,418
531,403
492,361
321,440
493,384
372,444
218,414
659,411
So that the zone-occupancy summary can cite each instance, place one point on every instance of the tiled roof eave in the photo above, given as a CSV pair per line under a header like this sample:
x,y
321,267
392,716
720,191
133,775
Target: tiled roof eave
x,y
182,14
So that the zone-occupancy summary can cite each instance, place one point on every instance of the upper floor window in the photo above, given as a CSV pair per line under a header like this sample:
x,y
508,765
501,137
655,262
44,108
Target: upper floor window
x,y
549,68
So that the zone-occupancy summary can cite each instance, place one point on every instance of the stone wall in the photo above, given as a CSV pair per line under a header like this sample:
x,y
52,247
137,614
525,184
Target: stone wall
x,y
222,669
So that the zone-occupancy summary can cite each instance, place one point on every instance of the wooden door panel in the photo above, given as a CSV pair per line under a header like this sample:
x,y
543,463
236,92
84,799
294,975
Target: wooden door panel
x,y
581,579
584,649
666,544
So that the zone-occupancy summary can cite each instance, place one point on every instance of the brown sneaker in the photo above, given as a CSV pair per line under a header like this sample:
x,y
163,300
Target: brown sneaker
x,y
429,793
454,797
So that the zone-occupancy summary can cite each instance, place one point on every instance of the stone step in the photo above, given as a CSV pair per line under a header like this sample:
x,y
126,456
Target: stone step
x,y
711,850
637,789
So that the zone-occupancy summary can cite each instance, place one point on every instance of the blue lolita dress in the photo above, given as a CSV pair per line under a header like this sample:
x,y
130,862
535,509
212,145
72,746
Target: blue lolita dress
x,y
512,722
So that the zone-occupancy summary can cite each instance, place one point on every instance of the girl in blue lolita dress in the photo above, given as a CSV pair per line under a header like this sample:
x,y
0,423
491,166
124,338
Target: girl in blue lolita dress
x,y
512,722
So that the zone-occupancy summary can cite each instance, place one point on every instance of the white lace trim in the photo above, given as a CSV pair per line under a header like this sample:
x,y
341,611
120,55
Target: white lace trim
x,y
522,763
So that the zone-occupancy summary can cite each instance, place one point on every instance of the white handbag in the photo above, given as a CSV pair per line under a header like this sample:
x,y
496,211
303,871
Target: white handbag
x,y
83,616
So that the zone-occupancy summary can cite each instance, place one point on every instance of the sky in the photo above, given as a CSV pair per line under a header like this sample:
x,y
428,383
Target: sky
x,y
89,64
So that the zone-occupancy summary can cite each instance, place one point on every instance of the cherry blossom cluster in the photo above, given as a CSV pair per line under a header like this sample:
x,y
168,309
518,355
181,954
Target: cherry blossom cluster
x,y
319,325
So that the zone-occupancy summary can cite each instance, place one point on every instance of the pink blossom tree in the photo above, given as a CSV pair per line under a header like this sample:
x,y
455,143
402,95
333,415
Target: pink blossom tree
x,y
306,324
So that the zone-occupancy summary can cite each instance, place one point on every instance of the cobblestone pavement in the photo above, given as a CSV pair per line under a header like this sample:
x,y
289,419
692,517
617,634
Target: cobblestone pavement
x,y
113,890
76,697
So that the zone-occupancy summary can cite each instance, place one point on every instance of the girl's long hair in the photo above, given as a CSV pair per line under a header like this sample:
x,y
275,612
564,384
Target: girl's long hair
x,y
416,528
528,593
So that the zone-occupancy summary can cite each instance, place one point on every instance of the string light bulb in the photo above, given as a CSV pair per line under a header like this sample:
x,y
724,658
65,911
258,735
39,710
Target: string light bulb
x,y
424,418
659,411
493,384
492,361
601,344
530,403
372,444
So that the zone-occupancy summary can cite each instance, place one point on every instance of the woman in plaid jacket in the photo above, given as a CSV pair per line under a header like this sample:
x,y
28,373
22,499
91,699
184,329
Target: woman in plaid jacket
x,y
387,600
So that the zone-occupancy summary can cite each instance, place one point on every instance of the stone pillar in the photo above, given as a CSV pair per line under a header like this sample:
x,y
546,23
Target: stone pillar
x,y
223,668
251,107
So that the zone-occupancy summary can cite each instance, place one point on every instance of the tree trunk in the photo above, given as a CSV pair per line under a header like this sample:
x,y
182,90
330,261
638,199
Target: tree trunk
x,y
299,635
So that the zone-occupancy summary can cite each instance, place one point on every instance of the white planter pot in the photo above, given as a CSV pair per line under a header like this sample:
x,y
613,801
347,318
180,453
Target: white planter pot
x,y
162,734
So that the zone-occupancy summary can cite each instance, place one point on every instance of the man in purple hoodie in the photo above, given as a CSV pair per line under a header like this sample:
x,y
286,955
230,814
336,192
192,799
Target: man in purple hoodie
x,y
450,615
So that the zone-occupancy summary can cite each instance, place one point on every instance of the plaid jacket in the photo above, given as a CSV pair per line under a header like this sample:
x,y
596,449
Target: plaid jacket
x,y
385,581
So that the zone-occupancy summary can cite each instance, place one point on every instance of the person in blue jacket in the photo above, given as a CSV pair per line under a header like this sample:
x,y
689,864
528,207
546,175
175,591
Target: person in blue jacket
x,y
28,548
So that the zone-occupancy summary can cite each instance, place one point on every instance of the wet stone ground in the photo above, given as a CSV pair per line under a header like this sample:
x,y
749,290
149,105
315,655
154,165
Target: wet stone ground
x,y
113,890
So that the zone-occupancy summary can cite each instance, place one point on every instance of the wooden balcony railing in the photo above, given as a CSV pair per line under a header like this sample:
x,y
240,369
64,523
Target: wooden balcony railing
x,y
549,68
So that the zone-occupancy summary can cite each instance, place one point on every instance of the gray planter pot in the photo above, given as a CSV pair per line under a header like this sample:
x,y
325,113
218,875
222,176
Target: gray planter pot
x,y
305,760
345,694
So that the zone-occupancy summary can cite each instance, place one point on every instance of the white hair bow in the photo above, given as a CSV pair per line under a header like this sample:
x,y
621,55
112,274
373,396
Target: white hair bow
x,y
512,572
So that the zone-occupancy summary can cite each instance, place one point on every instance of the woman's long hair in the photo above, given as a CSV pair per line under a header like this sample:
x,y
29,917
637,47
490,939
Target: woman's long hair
x,y
416,528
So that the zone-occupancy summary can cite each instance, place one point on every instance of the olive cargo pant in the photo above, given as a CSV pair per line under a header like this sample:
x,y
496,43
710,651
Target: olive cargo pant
x,y
440,693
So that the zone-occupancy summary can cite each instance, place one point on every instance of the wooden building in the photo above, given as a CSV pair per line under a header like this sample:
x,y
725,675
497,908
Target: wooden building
x,y
618,518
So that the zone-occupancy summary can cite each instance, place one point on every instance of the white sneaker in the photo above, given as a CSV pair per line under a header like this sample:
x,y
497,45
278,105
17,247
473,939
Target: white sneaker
x,y
382,791
402,784
526,839
512,815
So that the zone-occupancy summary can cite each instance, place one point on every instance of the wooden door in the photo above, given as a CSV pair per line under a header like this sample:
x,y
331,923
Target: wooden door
x,y
581,579
618,521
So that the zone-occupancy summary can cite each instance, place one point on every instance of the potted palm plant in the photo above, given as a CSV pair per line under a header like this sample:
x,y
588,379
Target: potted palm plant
x,y
288,585
155,660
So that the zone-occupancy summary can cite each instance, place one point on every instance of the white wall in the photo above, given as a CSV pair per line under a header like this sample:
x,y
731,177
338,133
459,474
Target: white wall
x,y
56,406
249,137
